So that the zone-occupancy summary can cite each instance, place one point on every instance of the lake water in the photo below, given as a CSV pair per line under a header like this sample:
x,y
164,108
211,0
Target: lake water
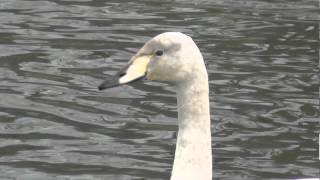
x,y
263,63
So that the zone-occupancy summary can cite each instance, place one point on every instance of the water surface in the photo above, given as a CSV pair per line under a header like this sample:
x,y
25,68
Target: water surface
x,y
263,63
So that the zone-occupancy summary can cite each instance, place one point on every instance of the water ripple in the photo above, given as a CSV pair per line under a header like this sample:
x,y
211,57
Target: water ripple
x,y
262,59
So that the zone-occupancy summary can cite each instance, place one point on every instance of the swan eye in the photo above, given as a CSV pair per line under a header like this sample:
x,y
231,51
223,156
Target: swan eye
x,y
159,53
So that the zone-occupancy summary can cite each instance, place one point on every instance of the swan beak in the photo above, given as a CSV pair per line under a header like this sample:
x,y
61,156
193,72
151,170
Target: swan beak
x,y
135,70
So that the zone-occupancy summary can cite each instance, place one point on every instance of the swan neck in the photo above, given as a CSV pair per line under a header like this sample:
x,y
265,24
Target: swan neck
x,y
193,156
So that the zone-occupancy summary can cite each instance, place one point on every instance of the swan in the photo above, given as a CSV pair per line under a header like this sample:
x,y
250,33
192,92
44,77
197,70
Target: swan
x,y
173,57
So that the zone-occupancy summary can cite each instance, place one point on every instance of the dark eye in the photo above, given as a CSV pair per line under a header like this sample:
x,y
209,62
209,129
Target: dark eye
x,y
159,53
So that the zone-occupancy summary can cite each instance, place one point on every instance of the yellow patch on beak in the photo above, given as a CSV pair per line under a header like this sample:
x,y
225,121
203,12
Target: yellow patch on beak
x,y
136,70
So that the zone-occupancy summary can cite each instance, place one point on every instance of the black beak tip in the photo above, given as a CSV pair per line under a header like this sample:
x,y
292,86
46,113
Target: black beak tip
x,y
108,84
100,88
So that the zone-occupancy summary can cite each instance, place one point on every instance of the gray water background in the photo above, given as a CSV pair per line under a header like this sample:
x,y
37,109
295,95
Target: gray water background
x,y
263,62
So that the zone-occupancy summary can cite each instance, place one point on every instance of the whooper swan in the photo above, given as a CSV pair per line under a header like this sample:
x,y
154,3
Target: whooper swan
x,y
174,57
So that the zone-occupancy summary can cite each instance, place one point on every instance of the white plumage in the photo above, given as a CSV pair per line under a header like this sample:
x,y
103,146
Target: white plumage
x,y
174,57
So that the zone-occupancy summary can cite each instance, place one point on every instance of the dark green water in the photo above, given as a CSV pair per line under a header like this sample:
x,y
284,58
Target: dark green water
x,y
263,62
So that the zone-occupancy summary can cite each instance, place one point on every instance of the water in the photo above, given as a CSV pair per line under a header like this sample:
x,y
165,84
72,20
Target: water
x,y
263,62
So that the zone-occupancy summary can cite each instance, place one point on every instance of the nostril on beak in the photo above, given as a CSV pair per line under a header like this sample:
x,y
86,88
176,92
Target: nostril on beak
x,y
122,74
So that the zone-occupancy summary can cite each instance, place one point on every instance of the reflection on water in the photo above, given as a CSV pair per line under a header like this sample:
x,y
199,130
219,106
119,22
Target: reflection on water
x,y
262,59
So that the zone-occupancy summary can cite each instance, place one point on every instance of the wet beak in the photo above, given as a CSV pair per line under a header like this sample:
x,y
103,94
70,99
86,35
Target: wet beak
x,y
135,70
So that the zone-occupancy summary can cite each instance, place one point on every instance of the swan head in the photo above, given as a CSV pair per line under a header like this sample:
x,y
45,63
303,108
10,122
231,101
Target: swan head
x,y
169,57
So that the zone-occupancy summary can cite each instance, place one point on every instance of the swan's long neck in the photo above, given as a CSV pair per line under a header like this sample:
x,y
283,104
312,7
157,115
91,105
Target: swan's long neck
x,y
193,156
